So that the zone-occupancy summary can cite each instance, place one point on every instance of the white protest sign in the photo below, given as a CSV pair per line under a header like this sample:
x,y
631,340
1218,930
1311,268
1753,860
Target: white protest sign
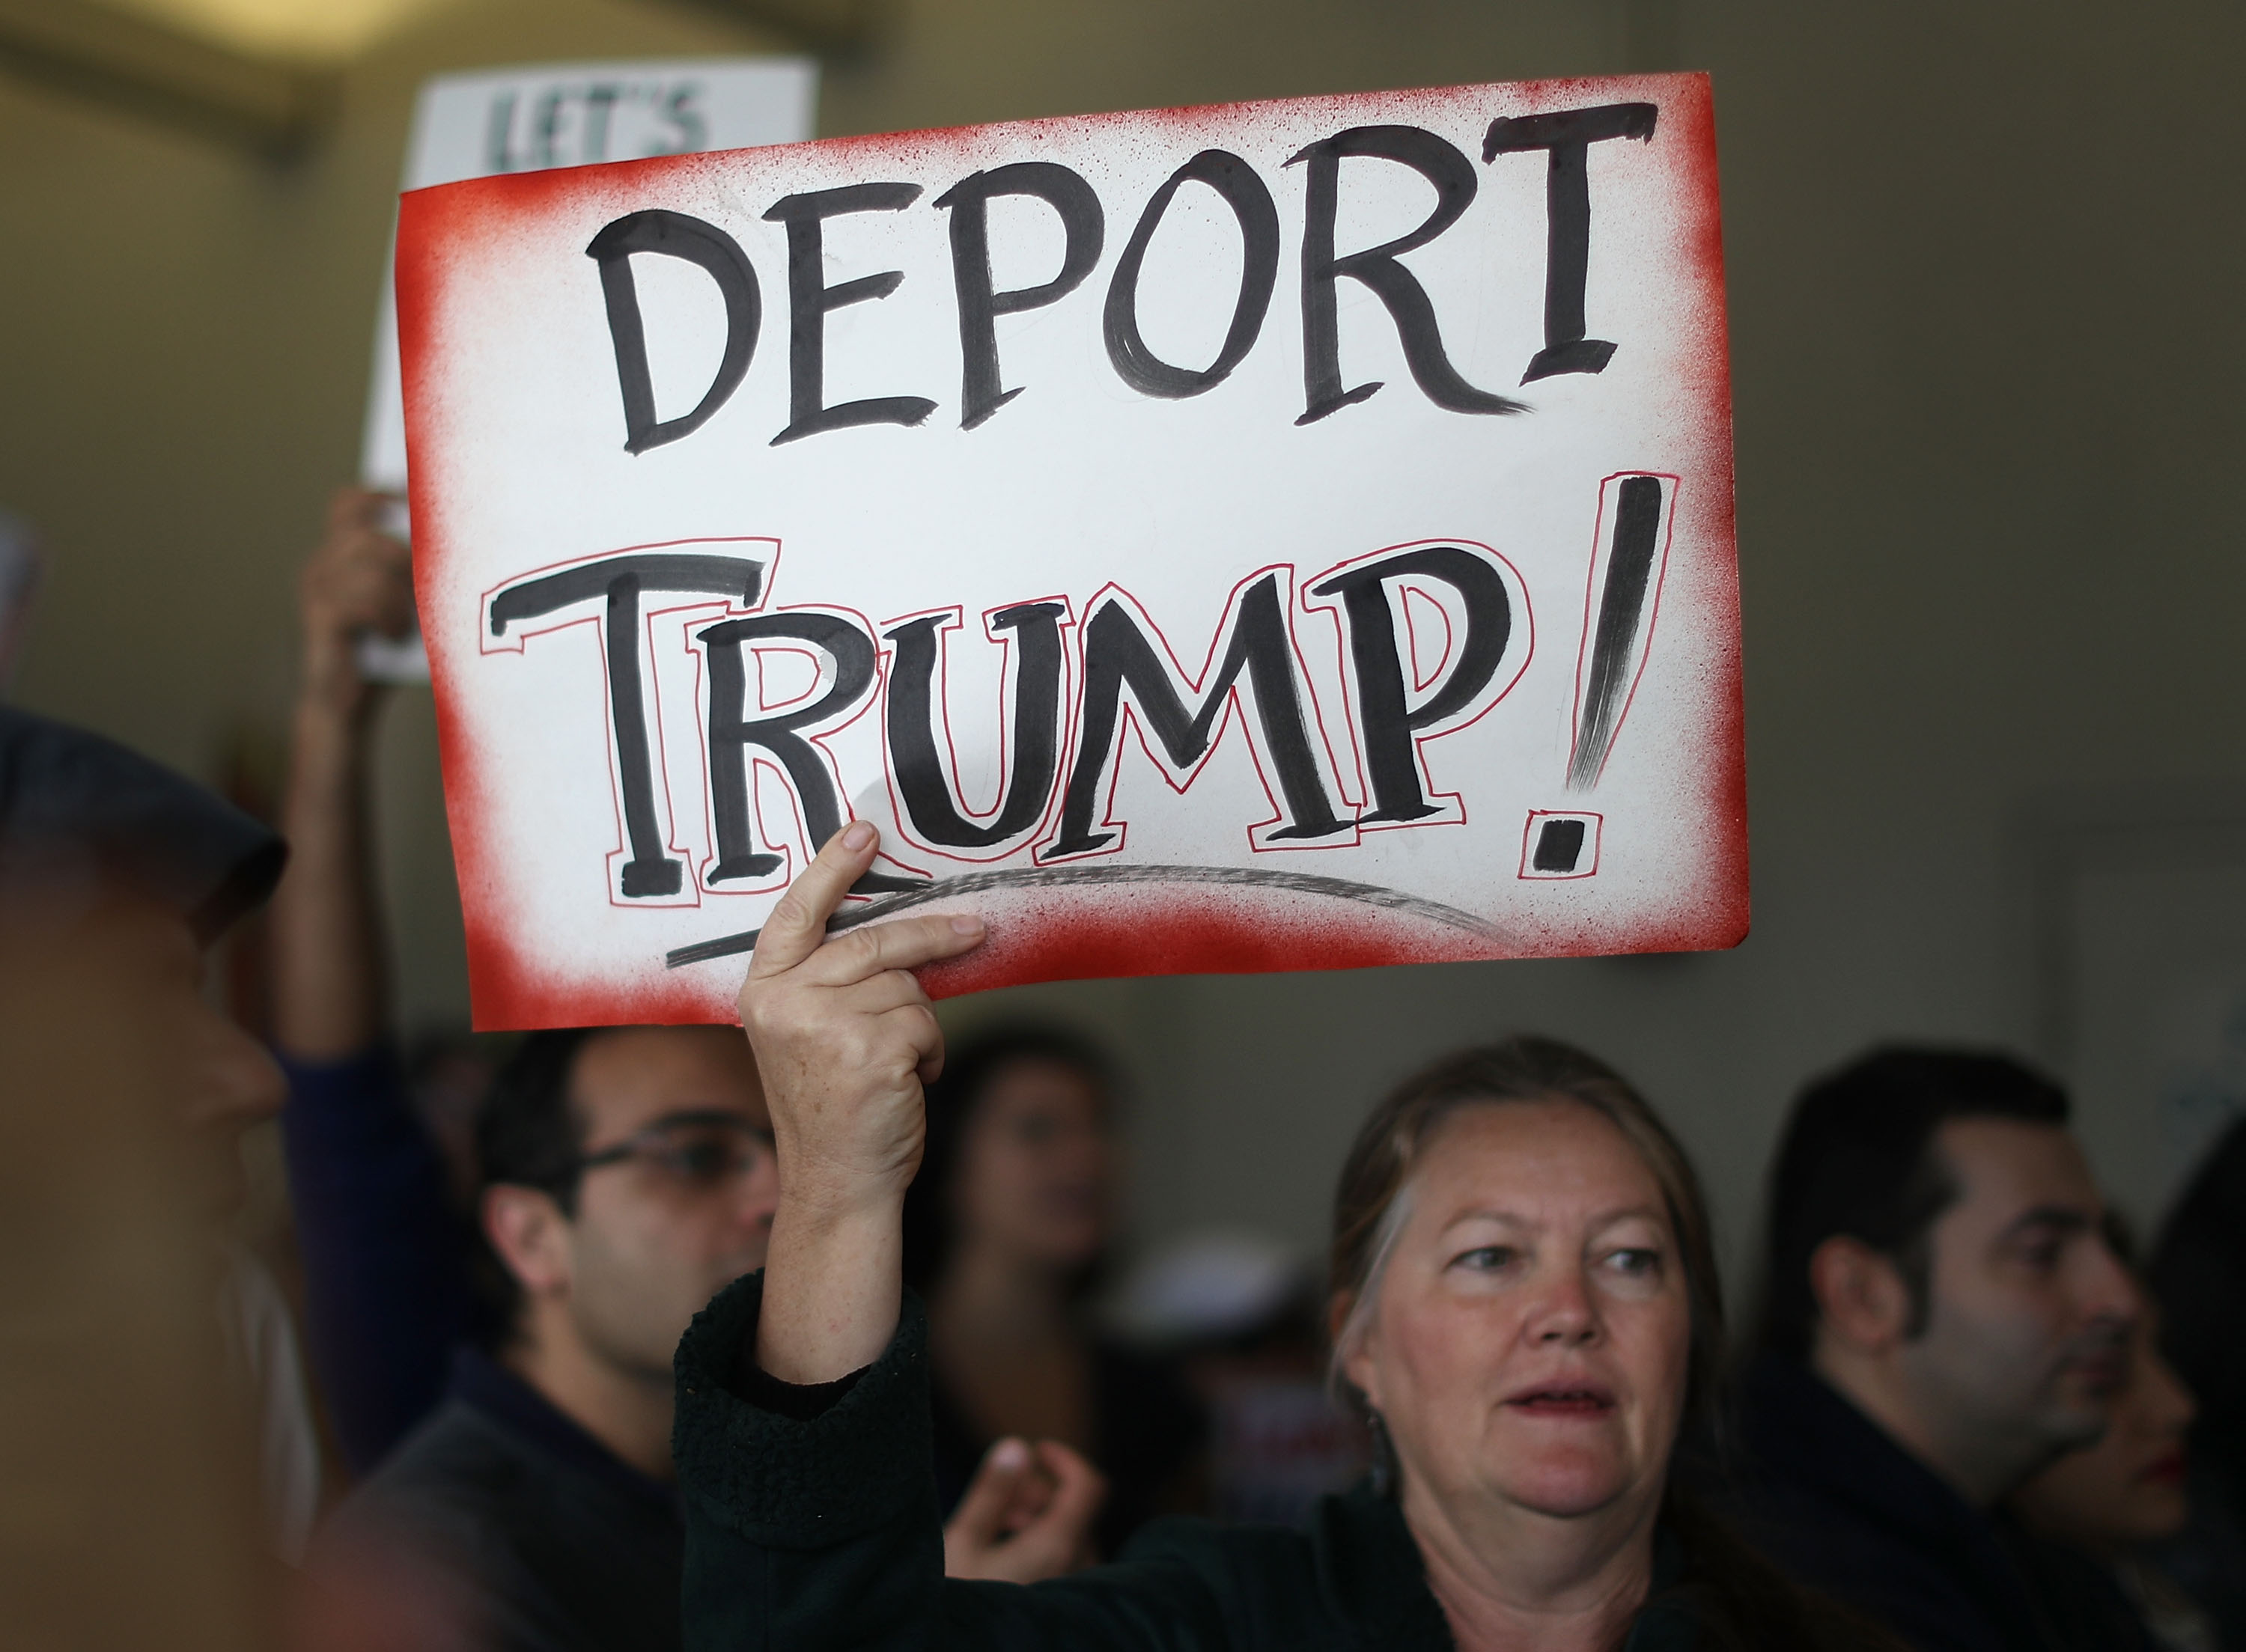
x,y
1269,536
562,114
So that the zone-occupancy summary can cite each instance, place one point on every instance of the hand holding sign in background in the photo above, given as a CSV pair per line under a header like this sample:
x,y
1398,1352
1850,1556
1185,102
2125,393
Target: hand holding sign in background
x,y
534,119
1268,536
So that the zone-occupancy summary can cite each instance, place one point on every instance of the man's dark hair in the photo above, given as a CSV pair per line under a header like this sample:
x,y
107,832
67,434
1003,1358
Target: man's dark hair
x,y
529,1134
1859,1158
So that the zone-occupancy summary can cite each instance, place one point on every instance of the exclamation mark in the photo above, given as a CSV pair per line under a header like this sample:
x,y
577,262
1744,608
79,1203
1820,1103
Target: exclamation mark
x,y
1615,645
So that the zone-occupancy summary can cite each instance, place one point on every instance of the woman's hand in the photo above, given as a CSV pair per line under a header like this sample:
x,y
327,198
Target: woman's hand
x,y
844,1038
1026,1517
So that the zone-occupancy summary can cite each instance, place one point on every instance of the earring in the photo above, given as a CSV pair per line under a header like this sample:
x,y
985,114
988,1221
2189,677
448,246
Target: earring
x,y
1383,1470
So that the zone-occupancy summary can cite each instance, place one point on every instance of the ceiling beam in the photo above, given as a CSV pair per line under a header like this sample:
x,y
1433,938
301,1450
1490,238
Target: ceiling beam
x,y
90,51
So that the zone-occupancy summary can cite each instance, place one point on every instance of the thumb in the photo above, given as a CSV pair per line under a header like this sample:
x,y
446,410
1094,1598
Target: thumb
x,y
981,1517
1059,1539
1078,1488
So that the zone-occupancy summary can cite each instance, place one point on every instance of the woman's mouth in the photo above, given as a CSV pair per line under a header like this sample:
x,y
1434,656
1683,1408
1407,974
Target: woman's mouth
x,y
1562,1401
2169,1470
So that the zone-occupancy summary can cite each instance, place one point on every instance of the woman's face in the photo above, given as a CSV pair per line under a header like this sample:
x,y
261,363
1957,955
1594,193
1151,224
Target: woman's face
x,y
1530,1342
2128,1488
1036,1165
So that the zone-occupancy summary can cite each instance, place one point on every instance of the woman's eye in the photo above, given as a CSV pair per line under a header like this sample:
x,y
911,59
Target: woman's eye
x,y
1635,1263
1487,1258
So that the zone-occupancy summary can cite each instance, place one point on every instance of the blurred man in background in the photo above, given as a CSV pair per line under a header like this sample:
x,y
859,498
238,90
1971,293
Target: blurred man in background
x,y
147,1362
629,1175
1943,1318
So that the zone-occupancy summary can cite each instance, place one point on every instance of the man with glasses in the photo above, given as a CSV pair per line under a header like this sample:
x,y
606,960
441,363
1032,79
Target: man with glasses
x,y
624,1176
119,880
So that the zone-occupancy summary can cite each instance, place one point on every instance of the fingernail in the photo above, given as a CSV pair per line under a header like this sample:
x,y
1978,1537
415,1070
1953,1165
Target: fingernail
x,y
1010,1454
966,925
859,834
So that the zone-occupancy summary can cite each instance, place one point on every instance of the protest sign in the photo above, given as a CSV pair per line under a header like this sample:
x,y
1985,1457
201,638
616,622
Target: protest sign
x,y
561,114
1268,536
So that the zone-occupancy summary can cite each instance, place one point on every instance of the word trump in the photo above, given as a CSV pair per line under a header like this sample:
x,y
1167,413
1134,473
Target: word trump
x,y
1115,669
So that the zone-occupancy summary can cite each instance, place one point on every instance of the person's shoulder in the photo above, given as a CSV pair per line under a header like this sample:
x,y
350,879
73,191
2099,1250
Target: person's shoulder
x,y
419,1534
495,1541
1895,1580
1820,1537
457,1465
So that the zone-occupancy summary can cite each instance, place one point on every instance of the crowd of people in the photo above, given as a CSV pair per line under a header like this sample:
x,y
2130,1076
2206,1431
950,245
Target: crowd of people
x,y
793,1340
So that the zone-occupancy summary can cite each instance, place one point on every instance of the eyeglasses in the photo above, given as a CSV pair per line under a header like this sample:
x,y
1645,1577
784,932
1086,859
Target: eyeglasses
x,y
702,1150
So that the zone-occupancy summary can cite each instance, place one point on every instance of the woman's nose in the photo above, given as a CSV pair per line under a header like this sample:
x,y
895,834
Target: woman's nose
x,y
1563,1313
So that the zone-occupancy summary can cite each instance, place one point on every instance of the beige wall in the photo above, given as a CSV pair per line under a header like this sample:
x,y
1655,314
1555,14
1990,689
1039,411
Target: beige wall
x,y
1986,286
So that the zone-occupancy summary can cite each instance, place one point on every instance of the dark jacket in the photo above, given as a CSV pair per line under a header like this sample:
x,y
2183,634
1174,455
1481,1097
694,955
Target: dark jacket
x,y
811,1524
1824,1492
518,1530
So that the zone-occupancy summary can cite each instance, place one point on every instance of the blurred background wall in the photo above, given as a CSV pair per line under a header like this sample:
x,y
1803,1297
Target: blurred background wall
x,y
1989,365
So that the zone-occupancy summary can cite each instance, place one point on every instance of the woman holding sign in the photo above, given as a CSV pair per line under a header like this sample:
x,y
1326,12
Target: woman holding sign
x,y
1525,1300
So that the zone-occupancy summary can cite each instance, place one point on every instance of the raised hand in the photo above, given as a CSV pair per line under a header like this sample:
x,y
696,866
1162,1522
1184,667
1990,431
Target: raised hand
x,y
327,987
1027,1515
359,580
844,1038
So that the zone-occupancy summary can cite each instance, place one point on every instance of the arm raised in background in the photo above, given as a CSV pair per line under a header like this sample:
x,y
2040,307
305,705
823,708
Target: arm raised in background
x,y
327,987
386,1258
844,1038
